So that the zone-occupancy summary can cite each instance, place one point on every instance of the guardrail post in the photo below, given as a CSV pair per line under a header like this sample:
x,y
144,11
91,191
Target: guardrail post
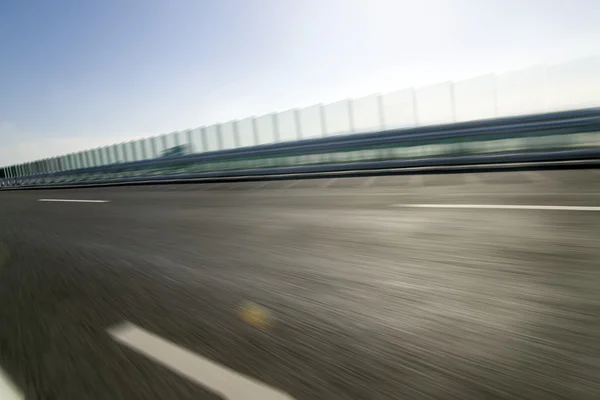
x,y
453,101
351,116
380,109
276,135
188,135
323,122
415,106
144,150
203,139
255,131
133,150
153,145
165,145
298,124
495,89
236,134
219,132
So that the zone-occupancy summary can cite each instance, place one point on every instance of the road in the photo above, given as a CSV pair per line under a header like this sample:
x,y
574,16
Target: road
x,y
320,289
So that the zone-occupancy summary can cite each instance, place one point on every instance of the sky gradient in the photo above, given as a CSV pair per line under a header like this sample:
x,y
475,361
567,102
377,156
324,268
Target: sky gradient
x,y
80,74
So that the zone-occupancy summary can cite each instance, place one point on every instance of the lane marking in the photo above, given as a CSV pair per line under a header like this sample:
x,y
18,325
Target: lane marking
x,y
357,192
74,201
217,378
308,192
500,207
8,391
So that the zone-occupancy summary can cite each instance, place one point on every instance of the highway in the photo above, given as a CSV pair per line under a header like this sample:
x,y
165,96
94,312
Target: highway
x,y
431,286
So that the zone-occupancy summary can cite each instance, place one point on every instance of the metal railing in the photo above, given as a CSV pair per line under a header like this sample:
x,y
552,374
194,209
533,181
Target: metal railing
x,y
570,135
534,90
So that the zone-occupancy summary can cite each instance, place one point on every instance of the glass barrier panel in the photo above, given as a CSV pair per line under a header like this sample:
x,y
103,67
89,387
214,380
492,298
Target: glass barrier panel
x,y
399,109
367,114
228,135
475,99
212,140
337,118
434,104
265,129
310,122
287,126
246,132
574,85
197,145
521,92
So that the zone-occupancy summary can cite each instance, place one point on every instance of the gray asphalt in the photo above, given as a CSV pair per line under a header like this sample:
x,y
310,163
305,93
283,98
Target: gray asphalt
x,y
368,300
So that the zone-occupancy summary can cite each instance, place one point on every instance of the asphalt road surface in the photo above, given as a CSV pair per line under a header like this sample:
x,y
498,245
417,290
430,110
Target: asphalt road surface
x,y
344,288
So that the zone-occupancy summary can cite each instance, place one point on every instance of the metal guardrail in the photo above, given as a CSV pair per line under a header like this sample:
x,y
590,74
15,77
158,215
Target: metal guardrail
x,y
561,136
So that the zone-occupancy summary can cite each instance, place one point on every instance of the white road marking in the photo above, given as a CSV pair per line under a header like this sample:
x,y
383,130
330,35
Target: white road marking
x,y
311,192
500,207
292,184
74,201
8,391
217,378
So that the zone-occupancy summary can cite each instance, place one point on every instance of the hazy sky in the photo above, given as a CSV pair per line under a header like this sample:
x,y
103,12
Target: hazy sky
x,y
81,73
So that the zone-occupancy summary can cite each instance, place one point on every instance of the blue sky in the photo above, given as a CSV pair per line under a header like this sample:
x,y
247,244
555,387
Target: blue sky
x,y
78,74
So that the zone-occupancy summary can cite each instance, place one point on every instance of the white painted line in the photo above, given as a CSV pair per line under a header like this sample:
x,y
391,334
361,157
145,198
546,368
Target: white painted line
x,y
334,192
217,378
74,201
8,391
292,184
500,207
